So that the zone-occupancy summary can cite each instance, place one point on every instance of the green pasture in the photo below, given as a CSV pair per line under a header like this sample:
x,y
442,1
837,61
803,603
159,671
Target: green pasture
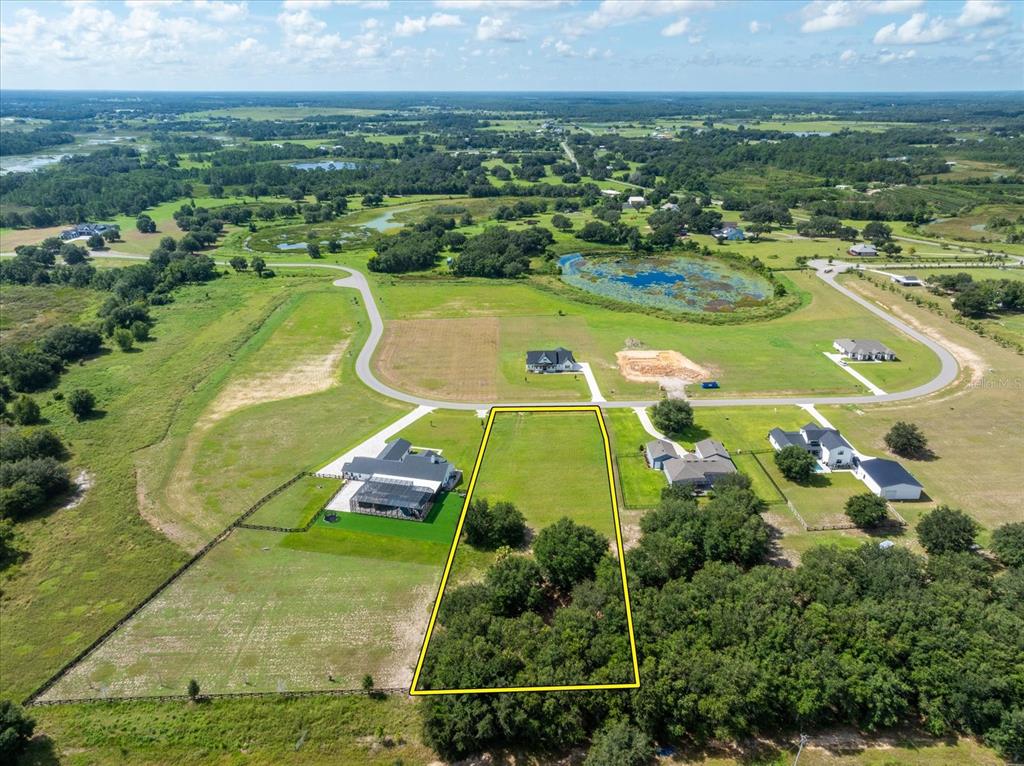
x,y
278,112
260,614
107,556
28,311
298,504
781,355
822,499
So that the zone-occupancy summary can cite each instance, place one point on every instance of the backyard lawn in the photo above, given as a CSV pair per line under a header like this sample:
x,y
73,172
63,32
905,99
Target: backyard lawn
x,y
298,504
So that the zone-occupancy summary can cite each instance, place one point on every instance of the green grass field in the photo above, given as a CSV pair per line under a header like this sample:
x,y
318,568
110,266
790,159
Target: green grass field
x,y
640,485
747,358
28,311
298,504
265,611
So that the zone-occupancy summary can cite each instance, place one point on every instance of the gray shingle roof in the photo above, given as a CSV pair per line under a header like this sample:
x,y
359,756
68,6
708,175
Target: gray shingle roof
x,y
395,450
553,356
657,448
706,448
424,467
831,439
862,346
886,473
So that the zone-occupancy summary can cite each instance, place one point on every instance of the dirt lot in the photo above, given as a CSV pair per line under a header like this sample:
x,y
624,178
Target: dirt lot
x,y
463,366
669,369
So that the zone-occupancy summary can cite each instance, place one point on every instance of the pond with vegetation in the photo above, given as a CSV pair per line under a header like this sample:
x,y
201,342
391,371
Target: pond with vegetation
x,y
673,282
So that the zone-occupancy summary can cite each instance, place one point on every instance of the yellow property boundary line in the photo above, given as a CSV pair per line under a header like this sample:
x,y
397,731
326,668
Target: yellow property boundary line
x,y
635,684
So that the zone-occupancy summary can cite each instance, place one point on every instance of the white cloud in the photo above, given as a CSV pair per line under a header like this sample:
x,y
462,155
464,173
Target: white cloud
x,y
828,15
613,12
887,57
408,27
676,28
221,11
512,5
977,12
441,20
248,45
495,28
756,26
848,56
917,30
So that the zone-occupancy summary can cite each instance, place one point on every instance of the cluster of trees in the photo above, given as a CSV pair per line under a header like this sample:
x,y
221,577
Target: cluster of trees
x,y
88,187
673,417
38,366
28,141
31,471
731,647
611,234
501,252
415,247
489,527
796,463
826,226
978,298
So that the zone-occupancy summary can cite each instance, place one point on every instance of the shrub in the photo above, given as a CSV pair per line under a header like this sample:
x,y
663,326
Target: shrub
x,y
81,402
140,331
16,730
25,410
124,338
672,416
795,463
866,509
946,530
515,585
1008,544
619,743
69,342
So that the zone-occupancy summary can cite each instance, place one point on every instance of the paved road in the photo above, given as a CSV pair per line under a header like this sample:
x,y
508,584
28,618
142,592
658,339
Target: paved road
x,y
357,281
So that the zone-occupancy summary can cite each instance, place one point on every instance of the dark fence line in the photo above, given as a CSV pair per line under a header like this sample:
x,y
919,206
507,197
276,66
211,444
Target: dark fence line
x,y
33,698
225,695
271,528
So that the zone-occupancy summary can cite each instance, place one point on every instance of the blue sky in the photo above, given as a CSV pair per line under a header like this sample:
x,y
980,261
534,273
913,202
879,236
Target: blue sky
x,y
671,45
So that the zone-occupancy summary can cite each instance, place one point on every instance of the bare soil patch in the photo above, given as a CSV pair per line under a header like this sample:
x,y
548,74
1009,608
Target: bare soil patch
x,y
454,359
669,369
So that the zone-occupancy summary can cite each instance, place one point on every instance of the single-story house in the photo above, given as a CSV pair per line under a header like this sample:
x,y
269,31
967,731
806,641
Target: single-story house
x,y
709,461
657,451
86,230
636,201
907,280
399,483
864,350
556,360
888,479
863,250
670,206
610,192
826,444
728,231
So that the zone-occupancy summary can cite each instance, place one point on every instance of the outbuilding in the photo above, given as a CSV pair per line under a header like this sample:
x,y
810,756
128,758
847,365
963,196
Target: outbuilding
x,y
888,479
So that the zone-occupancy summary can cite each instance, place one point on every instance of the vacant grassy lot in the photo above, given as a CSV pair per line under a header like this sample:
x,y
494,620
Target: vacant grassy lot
x,y
28,311
778,356
820,501
960,425
265,611
298,504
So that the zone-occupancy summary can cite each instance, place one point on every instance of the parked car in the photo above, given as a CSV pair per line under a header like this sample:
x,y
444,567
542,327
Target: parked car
x,y
710,384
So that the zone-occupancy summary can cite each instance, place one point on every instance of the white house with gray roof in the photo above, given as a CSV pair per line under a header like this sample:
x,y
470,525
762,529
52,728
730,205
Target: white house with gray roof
x,y
699,469
556,360
864,350
826,444
658,451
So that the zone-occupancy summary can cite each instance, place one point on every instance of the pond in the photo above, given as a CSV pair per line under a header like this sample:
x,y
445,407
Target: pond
x,y
326,165
673,282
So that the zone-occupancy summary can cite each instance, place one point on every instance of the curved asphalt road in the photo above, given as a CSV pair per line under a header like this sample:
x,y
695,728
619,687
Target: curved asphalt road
x,y
356,280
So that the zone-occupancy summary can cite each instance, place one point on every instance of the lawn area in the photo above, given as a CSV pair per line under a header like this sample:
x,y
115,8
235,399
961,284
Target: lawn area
x,y
820,501
742,429
438,527
265,611
779,356
298,504
962,423
639,485
531,454
28,311
455,434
